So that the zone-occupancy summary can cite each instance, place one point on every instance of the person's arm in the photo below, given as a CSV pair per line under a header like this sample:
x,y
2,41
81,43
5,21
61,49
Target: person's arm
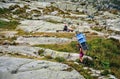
x,y
80,49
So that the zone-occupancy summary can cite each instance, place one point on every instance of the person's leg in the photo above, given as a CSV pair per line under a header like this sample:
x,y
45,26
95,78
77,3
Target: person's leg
x,y
81,59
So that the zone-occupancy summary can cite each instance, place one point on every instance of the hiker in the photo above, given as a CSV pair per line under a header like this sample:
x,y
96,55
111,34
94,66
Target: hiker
x,y
65,28
81,54
82,44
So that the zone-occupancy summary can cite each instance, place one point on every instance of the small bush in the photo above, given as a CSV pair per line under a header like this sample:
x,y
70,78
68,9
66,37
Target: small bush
x,y
60,59
97,28
4,10
8,25
105,72
40,52
87,62
48,57
105,64
80,69
77,60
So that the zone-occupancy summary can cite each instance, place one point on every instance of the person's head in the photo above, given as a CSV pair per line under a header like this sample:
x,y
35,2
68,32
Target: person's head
x,y
65,25
77,32
78,44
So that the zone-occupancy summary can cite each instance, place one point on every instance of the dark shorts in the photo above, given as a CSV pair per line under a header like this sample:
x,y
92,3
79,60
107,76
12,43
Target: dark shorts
x,y
81,54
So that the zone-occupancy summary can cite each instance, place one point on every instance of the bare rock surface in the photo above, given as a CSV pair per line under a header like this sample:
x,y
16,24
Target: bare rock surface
x,y
8,33
42,40
18,68
34,52
39,26
22,50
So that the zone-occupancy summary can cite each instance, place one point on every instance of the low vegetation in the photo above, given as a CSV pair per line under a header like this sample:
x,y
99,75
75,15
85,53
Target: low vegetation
x,y
60,59
4,10
8,25
80,69
105,54
61,47
53,21
62,35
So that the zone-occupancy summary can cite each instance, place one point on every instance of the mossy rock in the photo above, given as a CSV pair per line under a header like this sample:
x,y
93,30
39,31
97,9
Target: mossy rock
x,y
23,15
12,7
35,11
40,52
19,11
26,7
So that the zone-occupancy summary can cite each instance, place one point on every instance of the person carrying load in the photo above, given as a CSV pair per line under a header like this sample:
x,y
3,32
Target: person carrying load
x,y
81,44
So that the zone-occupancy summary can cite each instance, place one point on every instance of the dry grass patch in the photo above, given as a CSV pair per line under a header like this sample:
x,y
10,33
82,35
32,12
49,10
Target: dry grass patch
x,y
68,47
21,32
60,35
71,17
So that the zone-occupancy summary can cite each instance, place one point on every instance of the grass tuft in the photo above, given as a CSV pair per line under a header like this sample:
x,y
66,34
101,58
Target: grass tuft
x,y
8,25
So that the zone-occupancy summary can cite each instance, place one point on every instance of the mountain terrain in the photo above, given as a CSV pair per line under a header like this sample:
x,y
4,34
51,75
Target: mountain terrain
x,y
33,44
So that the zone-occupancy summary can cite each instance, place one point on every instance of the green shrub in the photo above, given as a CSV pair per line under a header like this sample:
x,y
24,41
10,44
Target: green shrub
x,y
105,72
69,47
60,59
40,52
77,60
80,69
87,62
8,25
68,69
97,29
48,57
105,53
4,10
105,64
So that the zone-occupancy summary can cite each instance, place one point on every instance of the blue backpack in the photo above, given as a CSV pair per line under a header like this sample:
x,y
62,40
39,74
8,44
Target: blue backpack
x,y
82,40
